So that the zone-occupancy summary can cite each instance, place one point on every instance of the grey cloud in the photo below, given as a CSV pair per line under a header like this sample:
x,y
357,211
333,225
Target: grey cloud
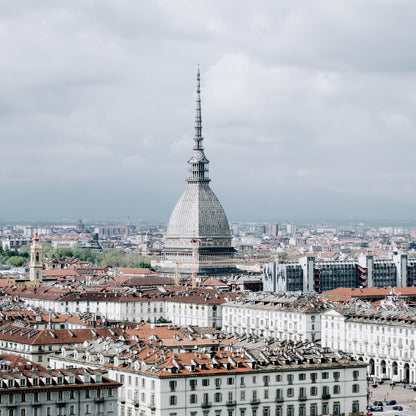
x,y
305,107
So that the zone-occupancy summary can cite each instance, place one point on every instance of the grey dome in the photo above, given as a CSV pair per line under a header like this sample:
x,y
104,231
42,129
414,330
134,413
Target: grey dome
x,y
199,214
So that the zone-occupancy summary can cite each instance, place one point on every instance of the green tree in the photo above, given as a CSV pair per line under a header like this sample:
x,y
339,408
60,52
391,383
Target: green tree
x,y
15,261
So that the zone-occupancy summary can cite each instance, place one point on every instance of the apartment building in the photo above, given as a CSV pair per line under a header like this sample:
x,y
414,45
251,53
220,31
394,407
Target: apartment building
x,y
181,306
38,344
383,338
279,378
27,389
282,317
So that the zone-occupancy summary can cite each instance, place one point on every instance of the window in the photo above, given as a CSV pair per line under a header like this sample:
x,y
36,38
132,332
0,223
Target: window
x,y
336,389
302,393
36,397
193,398
49,411
266,380
172,400
279,394
242,395
325,390
302,376
205,398
313,377
355,374
266,411
48,396
290,392
325,375
290,379
71,410
279,411
72,394
218,397
314,391
325,409
23,397
254,379
266,393
205,382
290,411
355,388
22,412
336,408
193,384
314,409
278,377
218,382
302,410
336,375
355,406
87,408
87,394
172,385
230,380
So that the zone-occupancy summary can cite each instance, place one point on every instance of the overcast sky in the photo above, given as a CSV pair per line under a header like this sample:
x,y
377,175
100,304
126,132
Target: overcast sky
x,y
309,107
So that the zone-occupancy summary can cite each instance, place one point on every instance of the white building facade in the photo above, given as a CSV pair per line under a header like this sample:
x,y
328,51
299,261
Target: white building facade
x,y
233,382
281,317
383,339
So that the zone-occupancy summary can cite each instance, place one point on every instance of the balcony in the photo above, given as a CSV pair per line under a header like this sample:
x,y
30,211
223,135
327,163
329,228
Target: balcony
x,y
279,399
206,404
302,398
99,399
230,403
326,396
255,402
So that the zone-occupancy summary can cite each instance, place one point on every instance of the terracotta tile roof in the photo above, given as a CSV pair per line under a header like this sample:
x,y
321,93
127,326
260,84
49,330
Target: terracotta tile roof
x,y
370,292
135,271
31,336
148,281
213,282
60,272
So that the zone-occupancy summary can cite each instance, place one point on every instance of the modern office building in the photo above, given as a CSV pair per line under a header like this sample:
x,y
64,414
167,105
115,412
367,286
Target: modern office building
x,y
310,276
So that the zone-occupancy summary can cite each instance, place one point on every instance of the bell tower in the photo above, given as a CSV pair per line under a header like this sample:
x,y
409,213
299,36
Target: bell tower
x,y
35,264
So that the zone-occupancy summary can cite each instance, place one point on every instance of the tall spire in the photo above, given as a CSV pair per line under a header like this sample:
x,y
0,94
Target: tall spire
x,y
198,163
198,119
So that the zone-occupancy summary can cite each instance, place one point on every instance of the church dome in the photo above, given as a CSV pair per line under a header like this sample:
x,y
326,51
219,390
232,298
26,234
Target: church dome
x,y
198,214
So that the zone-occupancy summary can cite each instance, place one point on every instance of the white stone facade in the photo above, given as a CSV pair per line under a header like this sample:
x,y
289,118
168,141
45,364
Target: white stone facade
x,y
386,341
323,387
273,317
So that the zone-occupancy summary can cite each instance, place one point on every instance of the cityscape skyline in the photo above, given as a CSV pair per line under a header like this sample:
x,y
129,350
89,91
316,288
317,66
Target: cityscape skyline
x,y
97,109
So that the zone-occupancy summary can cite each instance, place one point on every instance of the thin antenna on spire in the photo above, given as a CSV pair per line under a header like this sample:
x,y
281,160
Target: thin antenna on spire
x,y
198,163
198,118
